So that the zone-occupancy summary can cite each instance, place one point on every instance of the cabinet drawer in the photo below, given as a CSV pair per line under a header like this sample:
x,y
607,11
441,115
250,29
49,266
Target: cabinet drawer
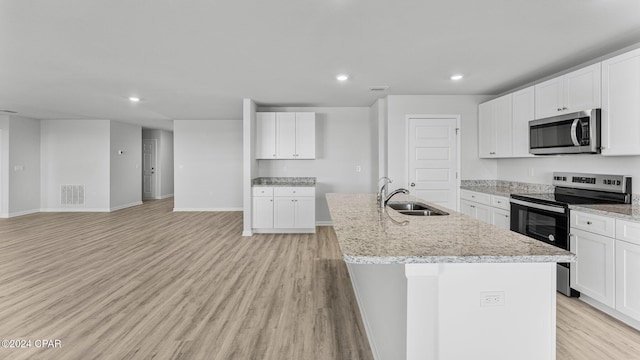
x,y
593,223
294,191
262,191
628,231
500,202
476,197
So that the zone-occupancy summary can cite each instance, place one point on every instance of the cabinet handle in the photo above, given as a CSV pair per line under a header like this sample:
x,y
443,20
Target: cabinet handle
x,y
499,202
559,109
473,206
564,108
589,223
274,155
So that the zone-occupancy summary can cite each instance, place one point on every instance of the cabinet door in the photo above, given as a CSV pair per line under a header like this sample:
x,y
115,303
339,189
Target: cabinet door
x,y
283,212
265,135
486,130
500,218
523,112
594,271
548,98
503,125
582,89
305,135
305,213
263,212
286,139
620,105
628,279
483,213
468,208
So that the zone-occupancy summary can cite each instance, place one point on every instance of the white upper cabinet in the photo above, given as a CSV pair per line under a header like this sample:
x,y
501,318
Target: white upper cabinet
x,y
265,135
494,128
576,91
621,104
285,135
523,112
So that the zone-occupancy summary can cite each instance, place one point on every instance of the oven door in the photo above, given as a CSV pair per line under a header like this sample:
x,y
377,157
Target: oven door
x,y
544,222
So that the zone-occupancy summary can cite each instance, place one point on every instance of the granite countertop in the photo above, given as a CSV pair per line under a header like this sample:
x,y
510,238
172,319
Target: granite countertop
x,y
629,212
284,181
367,235
492,190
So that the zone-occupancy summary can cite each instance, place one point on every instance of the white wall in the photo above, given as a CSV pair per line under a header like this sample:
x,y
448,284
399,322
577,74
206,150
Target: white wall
x,y
208,165
249,162
164,157
20,162
399,106
125,169
75,152
345,138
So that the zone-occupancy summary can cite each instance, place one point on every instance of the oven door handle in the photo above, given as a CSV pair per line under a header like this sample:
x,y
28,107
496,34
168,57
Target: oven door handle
x,y
555,209
574,132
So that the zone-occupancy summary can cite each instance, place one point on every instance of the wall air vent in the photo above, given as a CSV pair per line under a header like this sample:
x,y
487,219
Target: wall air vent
x,y
378,88
8,111
71,195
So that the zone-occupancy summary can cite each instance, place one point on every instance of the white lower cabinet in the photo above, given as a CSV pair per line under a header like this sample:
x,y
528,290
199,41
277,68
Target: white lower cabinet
x,y
593,274
492,209
628,279
608,263
501,218
288,210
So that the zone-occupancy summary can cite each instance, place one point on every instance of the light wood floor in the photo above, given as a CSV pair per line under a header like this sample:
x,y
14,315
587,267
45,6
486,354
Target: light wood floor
x,y
147,283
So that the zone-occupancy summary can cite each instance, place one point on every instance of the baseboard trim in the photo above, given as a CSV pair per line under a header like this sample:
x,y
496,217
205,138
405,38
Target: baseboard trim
x,y
20,213
206,209
247,233
76,210
120,207
324,223
165,196
285,231
611,312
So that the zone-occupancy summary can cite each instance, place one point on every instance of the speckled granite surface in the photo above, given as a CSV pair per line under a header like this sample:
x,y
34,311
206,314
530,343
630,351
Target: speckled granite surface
x,y
505,188
629,212
369,236
284,181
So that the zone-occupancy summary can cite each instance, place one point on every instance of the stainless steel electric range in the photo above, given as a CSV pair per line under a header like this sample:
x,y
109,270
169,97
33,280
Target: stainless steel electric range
x,y
545,217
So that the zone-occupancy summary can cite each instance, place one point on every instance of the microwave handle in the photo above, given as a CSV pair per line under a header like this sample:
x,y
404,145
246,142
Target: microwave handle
x,y
574,132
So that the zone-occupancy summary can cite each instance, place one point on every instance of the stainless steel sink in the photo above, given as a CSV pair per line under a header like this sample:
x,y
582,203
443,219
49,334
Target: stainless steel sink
x,y
414,208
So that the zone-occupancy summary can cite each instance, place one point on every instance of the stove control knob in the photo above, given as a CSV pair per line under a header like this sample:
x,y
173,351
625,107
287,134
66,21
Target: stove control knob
x,y
552,238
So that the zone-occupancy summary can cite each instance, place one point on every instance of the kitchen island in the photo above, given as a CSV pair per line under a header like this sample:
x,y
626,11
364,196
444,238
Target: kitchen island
x,y
447,287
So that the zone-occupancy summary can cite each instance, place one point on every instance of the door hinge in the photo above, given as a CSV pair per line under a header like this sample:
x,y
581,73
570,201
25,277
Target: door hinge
x,y
457,131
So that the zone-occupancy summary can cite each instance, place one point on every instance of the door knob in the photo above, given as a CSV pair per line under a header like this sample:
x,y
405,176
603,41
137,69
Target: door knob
x,y
413,184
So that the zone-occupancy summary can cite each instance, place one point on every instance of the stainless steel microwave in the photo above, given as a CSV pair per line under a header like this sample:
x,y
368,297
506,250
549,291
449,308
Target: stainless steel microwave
x,y
574,133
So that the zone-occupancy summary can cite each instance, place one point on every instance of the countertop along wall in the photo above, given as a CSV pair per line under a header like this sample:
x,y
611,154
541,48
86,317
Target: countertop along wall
x,y
345,138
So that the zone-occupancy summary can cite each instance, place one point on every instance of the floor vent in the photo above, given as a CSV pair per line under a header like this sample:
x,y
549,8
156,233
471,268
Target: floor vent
x,y
72,195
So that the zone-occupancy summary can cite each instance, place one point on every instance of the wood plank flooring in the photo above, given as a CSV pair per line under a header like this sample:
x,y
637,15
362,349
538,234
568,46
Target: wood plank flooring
x,y
147,283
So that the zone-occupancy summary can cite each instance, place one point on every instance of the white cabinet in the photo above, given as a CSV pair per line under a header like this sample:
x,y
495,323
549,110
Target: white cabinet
x,y
593,273
501,218
523,112
284,209
285,135
575,91
628,268
265,135
491,209
263,207
620,104
494,128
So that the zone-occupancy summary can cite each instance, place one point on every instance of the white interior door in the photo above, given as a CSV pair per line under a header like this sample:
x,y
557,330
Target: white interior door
x,y
149,169
433,160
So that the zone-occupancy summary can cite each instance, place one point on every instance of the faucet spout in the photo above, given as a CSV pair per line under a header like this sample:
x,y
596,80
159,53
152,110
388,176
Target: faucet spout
x,y
382,194
393,193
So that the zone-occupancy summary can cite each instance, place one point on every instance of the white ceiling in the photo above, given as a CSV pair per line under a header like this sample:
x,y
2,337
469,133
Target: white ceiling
x,y
197,59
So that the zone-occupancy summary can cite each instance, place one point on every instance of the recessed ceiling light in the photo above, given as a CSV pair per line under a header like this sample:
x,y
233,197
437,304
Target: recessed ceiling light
x,y
456,77
342,77
134,99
